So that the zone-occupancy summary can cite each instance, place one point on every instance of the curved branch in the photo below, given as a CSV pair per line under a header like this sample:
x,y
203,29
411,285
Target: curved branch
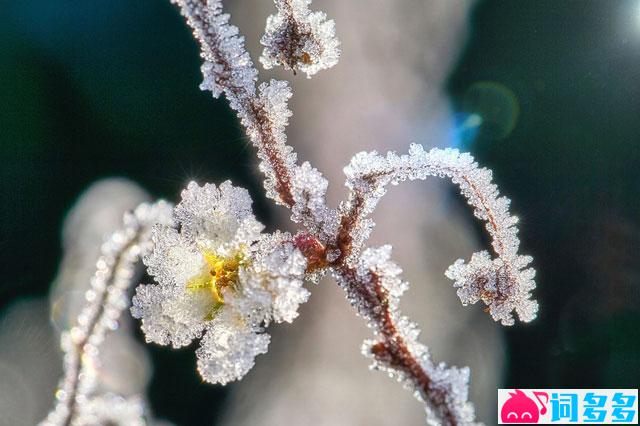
x,y
503,283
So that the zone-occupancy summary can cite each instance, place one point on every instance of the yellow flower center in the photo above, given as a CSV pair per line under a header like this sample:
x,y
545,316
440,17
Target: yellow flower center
x,y
219,273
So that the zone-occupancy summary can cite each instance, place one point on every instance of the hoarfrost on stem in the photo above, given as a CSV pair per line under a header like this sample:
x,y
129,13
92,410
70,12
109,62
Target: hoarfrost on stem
x,y
504,284
228,69
395,348
78,398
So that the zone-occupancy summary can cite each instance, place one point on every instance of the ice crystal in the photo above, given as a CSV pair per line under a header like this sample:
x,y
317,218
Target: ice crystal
x,y
265,121
309,189
219,278
228,349
503,283
502,289
378,261
298,39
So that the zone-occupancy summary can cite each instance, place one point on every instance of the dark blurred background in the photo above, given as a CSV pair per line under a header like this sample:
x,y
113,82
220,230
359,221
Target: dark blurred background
x,y
546,94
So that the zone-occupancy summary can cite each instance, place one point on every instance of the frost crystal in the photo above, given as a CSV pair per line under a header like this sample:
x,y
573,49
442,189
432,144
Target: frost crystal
x,y
265,121
491,281
219,278
299,39
309,189
503,283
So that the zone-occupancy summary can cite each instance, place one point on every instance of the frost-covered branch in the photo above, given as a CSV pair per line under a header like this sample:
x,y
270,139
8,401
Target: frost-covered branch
x,y
77,402
228,69
374,287
372,281
332,240
503,283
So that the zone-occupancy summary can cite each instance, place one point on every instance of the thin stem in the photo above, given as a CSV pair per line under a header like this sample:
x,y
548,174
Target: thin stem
x,y
200,16
76,364
392,350
267,145
363,202
105,301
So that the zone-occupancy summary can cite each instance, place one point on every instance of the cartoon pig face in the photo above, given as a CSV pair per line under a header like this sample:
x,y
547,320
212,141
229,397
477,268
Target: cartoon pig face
x,y
519,408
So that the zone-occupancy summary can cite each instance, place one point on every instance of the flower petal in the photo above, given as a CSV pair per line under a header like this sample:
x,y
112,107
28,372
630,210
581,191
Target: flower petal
x,y
271,287
228,349
172,262
168,317
212,215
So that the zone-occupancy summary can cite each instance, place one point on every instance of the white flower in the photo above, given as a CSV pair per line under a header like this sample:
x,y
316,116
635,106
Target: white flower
x,y
299,39
219,278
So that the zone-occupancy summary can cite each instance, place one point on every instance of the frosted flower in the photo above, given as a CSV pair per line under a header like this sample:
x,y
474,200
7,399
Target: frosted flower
x,y
299,39
219,279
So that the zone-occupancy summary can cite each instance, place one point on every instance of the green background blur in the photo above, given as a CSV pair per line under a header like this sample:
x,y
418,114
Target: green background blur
x,y
546,94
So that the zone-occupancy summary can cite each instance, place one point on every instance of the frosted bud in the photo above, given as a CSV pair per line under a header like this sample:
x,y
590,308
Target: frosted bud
x,y
502,287
298,39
